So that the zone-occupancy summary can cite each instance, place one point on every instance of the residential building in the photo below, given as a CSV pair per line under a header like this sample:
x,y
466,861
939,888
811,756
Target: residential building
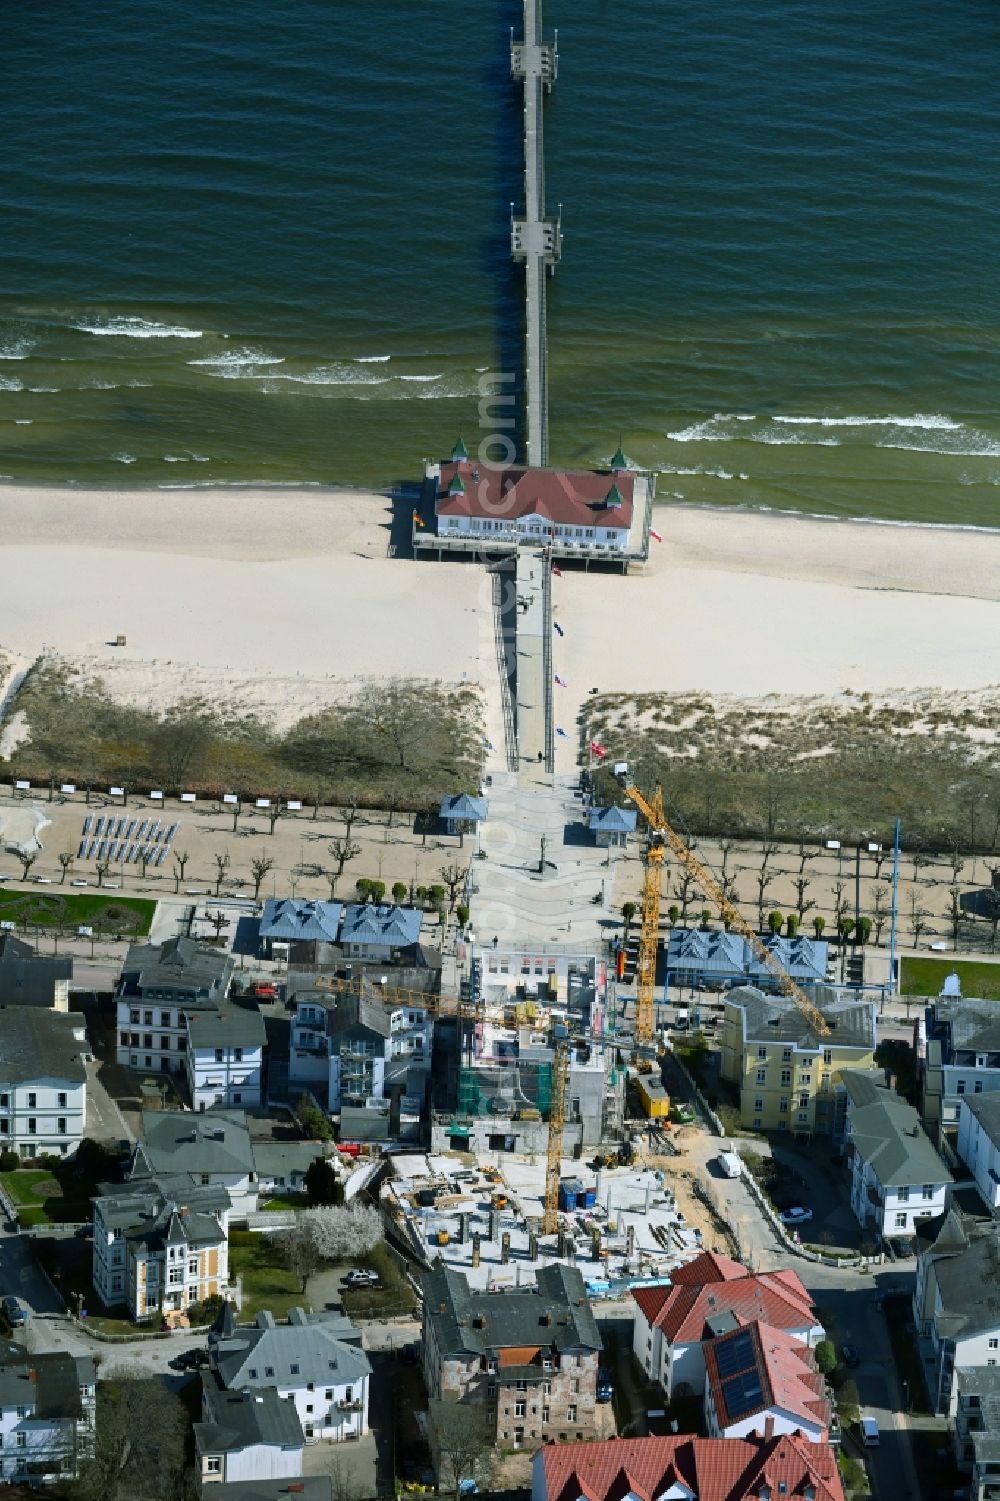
x,y
365,1062
248,1435
785,1070
962,1058
956,1303
43,1081
764,1466
979,1143
612,827
225,1057
588,513
709,1296
897,1177
160,987
160,1246
286,920
314,1360
47,1405
281,1166
29,979
712,959
527,1359
462,814
977,1430
755,1374
210,1150
381,933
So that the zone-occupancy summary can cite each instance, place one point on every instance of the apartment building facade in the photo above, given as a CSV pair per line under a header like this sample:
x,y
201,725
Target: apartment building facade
x,y
159,1247
47,1407
43,1081
224,1058
160,987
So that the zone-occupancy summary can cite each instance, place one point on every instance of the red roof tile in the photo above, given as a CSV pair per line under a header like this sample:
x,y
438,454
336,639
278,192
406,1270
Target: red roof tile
x,y
570,497
715,1469
712,1285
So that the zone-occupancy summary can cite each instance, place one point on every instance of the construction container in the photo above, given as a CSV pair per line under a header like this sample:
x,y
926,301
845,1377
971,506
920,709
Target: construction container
x,y
589,1198
571,1193
653,1097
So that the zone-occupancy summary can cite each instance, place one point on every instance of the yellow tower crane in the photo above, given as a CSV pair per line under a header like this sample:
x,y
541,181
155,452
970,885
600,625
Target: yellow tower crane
x,y
660,835
557,1119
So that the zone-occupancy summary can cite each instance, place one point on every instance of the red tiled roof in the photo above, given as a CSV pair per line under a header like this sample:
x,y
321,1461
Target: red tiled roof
x,y
785,1369
570,497
715,1469
713,1285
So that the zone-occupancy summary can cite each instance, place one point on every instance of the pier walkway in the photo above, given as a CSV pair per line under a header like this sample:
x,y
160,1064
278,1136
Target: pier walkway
x,y
535,238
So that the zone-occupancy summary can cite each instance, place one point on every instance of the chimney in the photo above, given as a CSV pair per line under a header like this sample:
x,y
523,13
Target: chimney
x,y
769,1427
183,1210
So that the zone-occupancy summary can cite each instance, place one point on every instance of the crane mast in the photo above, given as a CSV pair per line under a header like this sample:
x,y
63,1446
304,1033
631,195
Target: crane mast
x,y
557,1119
660,832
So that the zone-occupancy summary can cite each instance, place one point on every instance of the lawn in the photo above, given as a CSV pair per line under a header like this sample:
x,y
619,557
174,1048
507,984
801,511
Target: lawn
x,y
267,1282
926,976
287,1201
102,911
41,1199
394,1296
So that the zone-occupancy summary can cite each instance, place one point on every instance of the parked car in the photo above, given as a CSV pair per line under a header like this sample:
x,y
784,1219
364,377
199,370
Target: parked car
x,y
265,991
796,1215
605,1390
850,1357
903,1246
189,1360
359,1278
18,1313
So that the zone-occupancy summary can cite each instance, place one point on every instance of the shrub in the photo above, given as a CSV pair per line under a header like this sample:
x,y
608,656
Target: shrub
x,y
826,1356
207,1311
9,1161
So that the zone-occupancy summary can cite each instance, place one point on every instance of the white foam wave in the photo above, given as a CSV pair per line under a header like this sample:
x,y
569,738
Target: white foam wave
x,y
421,378
23,421
100,385
18,349
701,432
11,383
137,328
373,359
135,384
989,449
124,458
237,359
932,422
45,390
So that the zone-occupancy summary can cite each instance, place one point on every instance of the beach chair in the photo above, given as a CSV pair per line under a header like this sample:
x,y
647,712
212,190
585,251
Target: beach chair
x,y
87,823
99,828
80,851
131,828
161,856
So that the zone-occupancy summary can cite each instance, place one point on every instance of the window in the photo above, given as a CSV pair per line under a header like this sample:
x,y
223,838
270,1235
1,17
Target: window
x,y
133,1015
786,1076
213,1464
123,1040
786,1055
762,1076
218,1055
762,1054
758,1104
252,1373
22,1438
901,1222
147,1017
805,1080
928,1191
977,1087
294,1368
237,1098
784,1103
147,1039
960,1087
269,1370
828,1056
491,1389
4,1128
803,1117
238,1055
32,1100
62,1125
520,1386
757,1124
164,1018
520,1409
571,1413
149,1061
32,1124
61,1100
193,1267
803,1102
993,1344
903,1195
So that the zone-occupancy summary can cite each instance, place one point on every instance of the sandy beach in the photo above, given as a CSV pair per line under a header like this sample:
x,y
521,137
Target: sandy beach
x,y
282,599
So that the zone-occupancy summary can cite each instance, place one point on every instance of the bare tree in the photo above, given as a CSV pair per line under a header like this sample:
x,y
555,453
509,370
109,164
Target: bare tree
x,y
27,861
274,812
685,889
259,868
453,876
218,921
919,863
222,863
955,914
181,858
880,911
66,863
236,809
726,881
840,903
957,864
102,867
463,1443
342,850
918,918
138,1448
349,817
146,853
765,879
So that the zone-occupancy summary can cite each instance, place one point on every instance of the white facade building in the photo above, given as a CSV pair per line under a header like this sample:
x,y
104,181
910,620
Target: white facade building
x,y
207,1149
43,1081
161,985
979,1143
225,1058
246,1435
956,1303
897,1177
47,1407
158,1249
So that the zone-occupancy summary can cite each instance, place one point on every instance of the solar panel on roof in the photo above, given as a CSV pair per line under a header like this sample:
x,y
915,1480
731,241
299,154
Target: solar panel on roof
x,y
743,1394
733,1355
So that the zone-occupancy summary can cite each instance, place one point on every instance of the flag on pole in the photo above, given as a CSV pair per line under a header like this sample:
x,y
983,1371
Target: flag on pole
x,y
655,534
558,628
557,571
418,518
561,681
598,749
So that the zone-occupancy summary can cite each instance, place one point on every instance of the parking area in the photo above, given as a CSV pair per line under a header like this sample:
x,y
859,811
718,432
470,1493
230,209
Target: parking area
x,y
813,1176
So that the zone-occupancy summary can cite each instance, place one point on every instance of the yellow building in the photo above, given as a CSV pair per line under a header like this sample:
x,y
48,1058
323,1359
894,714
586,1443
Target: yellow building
x,y
788,1075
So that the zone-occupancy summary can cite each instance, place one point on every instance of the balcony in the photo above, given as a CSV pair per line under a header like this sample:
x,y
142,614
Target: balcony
x,y
353,1406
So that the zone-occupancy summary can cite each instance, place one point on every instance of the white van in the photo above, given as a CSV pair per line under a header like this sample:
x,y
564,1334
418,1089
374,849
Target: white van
x,y
869,1433
731,1164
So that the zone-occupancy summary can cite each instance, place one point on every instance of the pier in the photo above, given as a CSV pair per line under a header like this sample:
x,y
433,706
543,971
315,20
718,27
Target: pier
x,y
535,237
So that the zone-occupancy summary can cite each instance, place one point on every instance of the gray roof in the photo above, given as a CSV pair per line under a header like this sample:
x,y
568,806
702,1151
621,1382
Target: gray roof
x,y
53,1390
865,1085
555,1314
888,1135
966,1024
275,1159
466,809
27,978
228,1027
613,820
179,962
384,924
715,952
983,1382
357,1012
803,958
155,1212
287,919
233,1420
966,1260
264,1353
776,1018
36,1044
302,1487
188,1141
986,1109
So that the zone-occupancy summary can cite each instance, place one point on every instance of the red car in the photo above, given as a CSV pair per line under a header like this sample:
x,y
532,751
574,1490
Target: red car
x,y
266,991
